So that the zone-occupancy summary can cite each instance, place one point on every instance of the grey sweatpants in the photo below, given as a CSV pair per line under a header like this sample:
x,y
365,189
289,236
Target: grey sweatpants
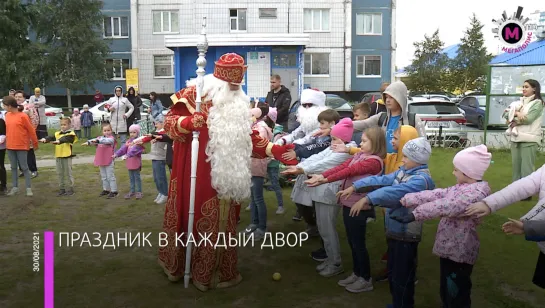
x,y
326,219
64,170
108,178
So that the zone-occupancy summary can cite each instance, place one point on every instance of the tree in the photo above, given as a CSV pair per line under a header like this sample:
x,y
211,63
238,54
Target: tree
x,y
76,54
470,66
430,65
20,58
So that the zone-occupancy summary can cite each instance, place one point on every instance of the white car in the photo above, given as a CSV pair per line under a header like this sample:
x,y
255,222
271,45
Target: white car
x,y
100,113
52,111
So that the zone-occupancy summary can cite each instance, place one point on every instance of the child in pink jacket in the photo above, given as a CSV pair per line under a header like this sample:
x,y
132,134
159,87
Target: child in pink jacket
x,y
456,241
131,153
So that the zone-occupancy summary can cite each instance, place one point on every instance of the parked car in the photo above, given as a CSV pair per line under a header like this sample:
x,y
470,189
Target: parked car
x,y
441,119
475,108
52,111
340,105
370,97
100,113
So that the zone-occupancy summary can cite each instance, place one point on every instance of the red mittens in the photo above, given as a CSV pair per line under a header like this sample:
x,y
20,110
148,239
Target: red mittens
x,y
278,150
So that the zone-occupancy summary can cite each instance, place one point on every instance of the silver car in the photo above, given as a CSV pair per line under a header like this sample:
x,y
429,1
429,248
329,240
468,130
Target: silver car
x,y
440,119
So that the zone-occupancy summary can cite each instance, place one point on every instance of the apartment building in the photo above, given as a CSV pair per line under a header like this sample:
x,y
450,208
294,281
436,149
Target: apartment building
x,y
308,43
117,32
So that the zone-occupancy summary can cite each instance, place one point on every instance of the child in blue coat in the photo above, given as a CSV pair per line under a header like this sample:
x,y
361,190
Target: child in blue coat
x,y
403,238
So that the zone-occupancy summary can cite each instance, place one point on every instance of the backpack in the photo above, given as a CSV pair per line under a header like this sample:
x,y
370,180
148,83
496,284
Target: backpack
x,y
33,115
383,116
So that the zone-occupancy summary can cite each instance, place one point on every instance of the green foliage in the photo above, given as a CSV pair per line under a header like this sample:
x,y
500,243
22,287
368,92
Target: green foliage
x,y
427,70
469,68
65,47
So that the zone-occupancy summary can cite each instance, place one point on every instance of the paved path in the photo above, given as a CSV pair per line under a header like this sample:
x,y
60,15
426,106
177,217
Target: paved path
x,y
78,160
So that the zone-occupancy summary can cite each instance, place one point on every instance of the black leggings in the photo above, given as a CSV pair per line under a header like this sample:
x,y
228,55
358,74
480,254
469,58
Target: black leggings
x,y
3,174
31,161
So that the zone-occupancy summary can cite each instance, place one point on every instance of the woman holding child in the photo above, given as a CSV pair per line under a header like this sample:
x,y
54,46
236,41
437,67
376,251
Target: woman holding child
x,y
525,133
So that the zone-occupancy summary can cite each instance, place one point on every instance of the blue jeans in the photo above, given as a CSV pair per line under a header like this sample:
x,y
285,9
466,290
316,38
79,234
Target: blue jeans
x,y
19,158
259,209
136,181
273,173
160,176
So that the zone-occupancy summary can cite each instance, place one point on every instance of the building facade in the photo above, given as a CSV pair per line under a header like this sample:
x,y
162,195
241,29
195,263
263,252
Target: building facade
x,y
117,32
373,44
308,43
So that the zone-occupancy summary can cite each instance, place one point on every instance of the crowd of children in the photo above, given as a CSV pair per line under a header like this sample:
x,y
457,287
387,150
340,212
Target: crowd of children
x,y
389,169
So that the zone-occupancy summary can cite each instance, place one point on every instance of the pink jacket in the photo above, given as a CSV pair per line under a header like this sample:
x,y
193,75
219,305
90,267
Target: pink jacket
x,y
259,166
520,190
456,237
76,121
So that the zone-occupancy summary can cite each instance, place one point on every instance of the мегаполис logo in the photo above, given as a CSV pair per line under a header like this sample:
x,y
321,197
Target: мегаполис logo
x,y
514,31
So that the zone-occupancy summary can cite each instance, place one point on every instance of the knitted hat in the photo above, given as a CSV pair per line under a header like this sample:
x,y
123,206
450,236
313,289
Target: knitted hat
x,y
273,114
160,119
313,96
256,112
418,150
76,110
343,130
85,106
134,128
473,161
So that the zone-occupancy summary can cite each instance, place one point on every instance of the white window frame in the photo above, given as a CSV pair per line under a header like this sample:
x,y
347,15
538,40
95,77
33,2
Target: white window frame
x,y
168,14
236,18
362,58
121,66
314,11
114,36
362,30
328,62
171,67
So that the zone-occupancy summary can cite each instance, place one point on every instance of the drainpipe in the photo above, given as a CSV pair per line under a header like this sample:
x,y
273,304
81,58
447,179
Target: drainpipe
x,y
289,4
393,42
347,46
134,37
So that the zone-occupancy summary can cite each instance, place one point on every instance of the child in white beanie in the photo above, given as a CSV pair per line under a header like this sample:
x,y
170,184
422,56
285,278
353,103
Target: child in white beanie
x,y
403,238
456,241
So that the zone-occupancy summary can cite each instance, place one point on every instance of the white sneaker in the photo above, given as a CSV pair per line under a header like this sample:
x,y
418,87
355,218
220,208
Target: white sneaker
x,y
347,281
29,192
157,198
370,220
360,285
331,270
248,208
162,199
13,191
321,266
280,210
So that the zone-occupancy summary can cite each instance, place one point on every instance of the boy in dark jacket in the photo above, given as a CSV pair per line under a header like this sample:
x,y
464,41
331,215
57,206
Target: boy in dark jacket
x,y
403,238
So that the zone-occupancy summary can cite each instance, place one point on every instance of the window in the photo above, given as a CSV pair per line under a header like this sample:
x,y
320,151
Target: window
x,y
369,24
165,22
163,66
368,66
237,17
267,13
317,64
316,19
116,27
116,68
285,60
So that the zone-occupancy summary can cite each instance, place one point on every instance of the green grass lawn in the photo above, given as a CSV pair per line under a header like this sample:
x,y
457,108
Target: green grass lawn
x,y
130,276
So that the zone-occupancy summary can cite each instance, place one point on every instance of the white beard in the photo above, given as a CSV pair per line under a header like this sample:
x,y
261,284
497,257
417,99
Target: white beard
x,y
230,146
308,117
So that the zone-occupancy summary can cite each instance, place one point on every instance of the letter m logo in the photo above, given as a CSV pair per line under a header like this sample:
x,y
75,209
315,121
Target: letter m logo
x,y
512,33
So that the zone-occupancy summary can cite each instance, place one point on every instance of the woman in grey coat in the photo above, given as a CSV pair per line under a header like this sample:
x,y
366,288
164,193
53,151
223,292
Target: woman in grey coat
x,y
120,109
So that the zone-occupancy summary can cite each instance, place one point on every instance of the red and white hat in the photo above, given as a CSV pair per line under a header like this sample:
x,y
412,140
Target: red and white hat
x,y
230,68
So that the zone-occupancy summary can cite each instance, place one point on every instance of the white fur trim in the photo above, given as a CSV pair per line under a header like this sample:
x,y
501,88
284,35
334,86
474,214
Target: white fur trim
x,y
310,96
